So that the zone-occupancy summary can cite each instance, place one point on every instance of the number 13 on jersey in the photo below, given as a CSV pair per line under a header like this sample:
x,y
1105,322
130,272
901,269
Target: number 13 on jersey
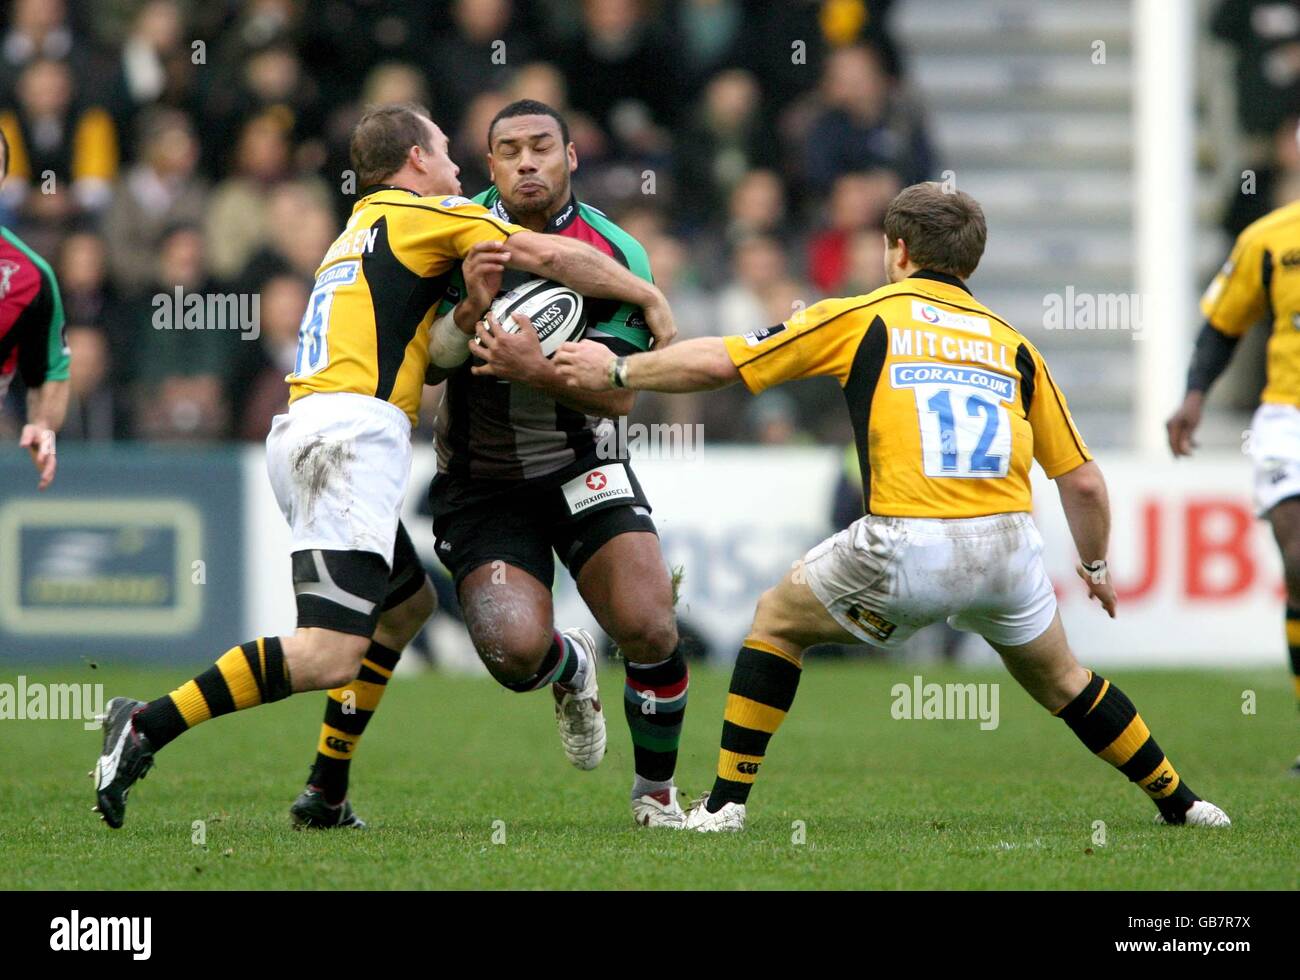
x,y
965,428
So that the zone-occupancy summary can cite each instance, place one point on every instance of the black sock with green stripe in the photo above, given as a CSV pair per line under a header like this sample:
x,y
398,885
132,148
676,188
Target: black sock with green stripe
x,y
1107,722
654,703
348,711
763,685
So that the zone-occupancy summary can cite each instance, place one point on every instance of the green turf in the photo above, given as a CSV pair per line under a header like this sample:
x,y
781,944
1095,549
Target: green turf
x,y
885,803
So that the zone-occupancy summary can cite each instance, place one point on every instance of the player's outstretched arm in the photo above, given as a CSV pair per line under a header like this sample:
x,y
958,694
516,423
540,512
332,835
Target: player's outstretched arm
x,y
1087,510
591,273
702,364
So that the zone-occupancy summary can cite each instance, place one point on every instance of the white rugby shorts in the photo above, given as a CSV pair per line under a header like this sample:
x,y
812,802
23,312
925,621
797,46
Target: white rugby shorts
x,y
884,578
339,464
1275,450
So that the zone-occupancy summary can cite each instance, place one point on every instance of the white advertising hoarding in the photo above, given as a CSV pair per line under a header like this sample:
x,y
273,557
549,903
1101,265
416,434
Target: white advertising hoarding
x,y
1198,576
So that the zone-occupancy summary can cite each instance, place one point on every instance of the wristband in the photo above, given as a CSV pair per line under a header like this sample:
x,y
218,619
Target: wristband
x,y
618,372
1096,570
448,344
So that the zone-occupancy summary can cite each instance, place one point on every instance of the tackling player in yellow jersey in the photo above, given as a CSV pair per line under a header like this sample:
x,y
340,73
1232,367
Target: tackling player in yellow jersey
x,y
1260,280
950,405
339,459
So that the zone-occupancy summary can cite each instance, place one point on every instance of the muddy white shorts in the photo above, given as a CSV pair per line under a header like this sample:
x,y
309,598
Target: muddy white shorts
x,y
1275,449
339,465
883,578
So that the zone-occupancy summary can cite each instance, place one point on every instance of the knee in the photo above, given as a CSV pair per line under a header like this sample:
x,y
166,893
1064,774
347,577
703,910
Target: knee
x,y
337,659
512,653
649,640
406,618
767,614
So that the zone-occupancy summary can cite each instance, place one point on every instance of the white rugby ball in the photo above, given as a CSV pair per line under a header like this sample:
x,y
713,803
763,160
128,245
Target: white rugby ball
x,y
556,312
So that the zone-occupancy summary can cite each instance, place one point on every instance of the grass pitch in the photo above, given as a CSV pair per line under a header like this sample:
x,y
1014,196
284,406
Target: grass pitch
x,y
465,786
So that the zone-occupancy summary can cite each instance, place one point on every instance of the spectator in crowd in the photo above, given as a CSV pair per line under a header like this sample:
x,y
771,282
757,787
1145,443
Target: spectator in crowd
x,y
727,139
857,202
866,263
264,394
271,84
155,64
863,124
236,220
63,157
388,82
706,32
483,44
92,404
625,85
299,229
1266,37
159,191
38,30
180,372
1270,182
469,145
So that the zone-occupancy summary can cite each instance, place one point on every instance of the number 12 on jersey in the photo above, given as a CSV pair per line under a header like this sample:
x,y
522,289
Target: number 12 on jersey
x,y
965,429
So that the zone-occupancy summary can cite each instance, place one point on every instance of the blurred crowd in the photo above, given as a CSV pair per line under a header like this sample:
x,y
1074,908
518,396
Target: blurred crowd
x,y
1264,39
750,146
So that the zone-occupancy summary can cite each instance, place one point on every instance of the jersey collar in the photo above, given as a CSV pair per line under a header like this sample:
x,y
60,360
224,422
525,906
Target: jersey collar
x,y
376,188
566,216
941,277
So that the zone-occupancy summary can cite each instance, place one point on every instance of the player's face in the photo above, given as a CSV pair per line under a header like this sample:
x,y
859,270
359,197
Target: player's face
x,y
441,175
530,164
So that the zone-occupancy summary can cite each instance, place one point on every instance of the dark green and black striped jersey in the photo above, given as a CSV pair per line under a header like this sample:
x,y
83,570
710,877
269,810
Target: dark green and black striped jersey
x,y
498,430
31,317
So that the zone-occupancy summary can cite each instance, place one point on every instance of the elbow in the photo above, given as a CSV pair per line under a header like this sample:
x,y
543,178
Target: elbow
x,y
1085,483
722,372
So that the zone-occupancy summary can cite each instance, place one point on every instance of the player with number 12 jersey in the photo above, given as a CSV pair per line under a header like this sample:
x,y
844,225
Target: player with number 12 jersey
x,y
950,405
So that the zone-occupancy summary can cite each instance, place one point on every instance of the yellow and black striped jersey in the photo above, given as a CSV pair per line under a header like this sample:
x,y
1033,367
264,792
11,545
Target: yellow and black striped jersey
x,y
1262,279
949,403
366,328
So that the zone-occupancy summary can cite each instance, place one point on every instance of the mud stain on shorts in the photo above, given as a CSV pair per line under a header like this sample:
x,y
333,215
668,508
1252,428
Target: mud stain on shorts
x,y
316,466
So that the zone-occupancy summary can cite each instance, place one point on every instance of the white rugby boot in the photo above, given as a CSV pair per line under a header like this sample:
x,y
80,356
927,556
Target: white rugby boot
x,y
578,714
659,809
730,818
1202,813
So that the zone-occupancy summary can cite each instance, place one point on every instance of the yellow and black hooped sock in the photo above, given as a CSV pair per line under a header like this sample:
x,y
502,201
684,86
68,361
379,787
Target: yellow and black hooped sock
x,y
245,676
347,712
1293,647
763,685
1109,725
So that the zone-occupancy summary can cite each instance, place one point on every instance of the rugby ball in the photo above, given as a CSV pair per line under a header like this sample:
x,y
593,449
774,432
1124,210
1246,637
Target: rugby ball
x,y
556,312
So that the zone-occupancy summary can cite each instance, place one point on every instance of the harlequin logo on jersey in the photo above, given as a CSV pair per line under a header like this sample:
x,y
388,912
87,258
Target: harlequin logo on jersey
x,y
7,270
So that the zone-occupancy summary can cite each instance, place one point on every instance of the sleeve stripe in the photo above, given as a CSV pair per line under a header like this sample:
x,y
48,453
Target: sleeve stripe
x,y
1065,413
